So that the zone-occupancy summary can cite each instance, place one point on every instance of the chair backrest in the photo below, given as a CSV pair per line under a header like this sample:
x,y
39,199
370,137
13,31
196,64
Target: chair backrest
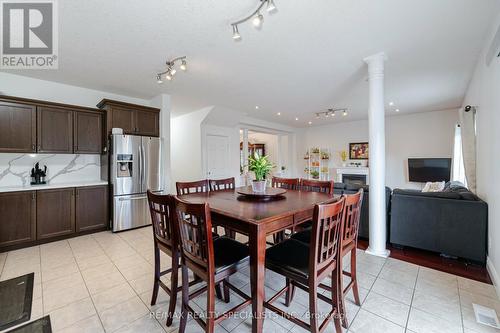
x,y
162,212
200,186
325,236
286,183
222,184
324,186
352,213
194,227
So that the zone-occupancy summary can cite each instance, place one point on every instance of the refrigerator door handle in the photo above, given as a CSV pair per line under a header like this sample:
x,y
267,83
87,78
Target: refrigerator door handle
x,y
143,167
141,185
133,198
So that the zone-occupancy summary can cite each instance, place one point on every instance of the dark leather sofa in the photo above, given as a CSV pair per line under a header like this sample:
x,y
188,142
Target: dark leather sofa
x,y
453,223
341,188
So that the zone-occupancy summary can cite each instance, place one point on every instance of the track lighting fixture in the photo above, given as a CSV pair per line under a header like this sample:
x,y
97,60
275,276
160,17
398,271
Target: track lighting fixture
x,y
256,17
330,112
170,71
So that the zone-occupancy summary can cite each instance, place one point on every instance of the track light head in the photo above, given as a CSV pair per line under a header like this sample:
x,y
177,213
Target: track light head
x,y
183,65
172,72
344,113
258,20
158,78
236,33
271,7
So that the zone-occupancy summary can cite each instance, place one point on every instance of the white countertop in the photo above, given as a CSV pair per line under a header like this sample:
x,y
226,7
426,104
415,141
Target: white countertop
x,y
51,186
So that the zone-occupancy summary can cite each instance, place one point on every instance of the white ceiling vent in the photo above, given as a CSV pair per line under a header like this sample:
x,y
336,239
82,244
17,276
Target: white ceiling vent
x,y
494,50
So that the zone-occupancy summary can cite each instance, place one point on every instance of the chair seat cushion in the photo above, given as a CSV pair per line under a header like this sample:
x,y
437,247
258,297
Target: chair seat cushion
x,y
303,236
289,258
228,252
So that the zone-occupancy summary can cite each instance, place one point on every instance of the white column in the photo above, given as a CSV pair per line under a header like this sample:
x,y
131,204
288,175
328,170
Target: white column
x,y
245,155
376,122
164,102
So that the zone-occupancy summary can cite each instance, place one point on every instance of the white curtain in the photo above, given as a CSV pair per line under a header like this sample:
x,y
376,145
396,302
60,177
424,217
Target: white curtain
x,y
468,136
458,172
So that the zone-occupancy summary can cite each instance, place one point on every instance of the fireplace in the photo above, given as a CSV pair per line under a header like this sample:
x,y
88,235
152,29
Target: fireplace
x,y
352,179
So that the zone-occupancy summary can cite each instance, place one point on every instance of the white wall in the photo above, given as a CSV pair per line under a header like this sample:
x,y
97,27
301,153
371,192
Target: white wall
x,y
428,134
185,141
26,87
484,92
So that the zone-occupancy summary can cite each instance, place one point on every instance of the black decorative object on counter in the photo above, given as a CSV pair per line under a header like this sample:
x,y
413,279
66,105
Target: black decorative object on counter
x,y
38,175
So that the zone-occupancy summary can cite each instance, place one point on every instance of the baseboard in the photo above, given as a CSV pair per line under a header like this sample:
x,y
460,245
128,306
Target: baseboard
x,y
493,275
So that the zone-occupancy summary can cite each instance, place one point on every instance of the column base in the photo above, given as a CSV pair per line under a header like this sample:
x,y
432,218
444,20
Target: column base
x,y
384,253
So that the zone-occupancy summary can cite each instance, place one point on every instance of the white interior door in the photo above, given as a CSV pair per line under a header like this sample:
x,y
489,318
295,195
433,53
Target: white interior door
x,y
217,156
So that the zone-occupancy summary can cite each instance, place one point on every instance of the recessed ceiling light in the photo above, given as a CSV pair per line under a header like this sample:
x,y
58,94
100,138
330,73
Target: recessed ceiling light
x,y
391,103
256,107
296,118
310,122
279,113
397,110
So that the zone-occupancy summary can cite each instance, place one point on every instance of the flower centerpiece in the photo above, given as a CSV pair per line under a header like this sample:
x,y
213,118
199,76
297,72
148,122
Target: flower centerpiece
x,y
261,167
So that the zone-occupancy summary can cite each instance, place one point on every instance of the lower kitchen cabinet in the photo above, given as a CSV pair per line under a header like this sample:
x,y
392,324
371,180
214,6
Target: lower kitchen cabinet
x,y
55,214
17,218
91,208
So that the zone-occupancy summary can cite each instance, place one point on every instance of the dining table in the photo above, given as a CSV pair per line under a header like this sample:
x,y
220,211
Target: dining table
x,y
257,219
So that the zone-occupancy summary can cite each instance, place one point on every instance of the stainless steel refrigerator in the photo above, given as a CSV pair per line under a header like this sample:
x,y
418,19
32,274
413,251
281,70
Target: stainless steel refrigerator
x,y
135,168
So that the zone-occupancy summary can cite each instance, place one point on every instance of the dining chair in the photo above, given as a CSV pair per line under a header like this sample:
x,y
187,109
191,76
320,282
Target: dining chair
x,y
200,186
289,184
323,186
308,185
222,185
304,266
349,242
213,260
162,212
286,183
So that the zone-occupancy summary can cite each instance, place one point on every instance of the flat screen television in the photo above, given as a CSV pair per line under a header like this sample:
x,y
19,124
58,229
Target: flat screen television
x,y
424,170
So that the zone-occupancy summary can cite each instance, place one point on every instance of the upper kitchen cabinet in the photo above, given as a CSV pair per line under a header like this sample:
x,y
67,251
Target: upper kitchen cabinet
x,y
34,126
54,130
17,127
132,118
88,130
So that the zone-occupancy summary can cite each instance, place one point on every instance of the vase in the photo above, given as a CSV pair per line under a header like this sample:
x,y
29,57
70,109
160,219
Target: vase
x,y
259,186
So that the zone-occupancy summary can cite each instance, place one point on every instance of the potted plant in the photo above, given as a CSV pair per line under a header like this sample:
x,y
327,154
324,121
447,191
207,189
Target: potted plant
x,y
261,167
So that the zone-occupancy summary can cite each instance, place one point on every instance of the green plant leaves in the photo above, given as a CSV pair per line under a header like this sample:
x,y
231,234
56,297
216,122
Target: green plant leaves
x,y
260,165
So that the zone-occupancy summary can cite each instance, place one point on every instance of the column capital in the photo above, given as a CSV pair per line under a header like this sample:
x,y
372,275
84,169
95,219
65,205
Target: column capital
x,y
376,58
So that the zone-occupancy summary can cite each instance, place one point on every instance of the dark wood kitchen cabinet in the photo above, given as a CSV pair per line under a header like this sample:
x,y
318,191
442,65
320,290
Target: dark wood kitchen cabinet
x,y
147,123
132,118
91,208
88,132
17,218
17,128
55,214
54,130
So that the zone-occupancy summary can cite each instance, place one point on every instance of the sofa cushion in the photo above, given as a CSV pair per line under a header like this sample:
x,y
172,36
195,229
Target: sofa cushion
x,y
442,195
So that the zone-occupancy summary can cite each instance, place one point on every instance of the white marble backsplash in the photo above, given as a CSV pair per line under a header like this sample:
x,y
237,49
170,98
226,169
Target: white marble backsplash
x,y
15,169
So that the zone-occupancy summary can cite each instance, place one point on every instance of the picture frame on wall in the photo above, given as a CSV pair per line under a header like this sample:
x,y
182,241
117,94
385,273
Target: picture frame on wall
x,y
358,151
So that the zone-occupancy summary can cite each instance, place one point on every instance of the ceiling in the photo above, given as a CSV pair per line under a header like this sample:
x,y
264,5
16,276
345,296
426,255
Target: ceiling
x,y
306,58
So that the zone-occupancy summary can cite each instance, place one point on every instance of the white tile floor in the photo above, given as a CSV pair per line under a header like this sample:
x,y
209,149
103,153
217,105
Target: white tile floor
x,y
103,283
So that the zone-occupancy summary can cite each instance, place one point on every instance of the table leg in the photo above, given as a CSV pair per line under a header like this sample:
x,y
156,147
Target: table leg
x,y
257,242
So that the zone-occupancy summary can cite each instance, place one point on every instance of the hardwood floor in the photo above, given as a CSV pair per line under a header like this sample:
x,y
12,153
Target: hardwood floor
x,y
435,261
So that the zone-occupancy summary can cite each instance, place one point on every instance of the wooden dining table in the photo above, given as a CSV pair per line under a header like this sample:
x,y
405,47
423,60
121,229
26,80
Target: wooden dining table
x,y
257,220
